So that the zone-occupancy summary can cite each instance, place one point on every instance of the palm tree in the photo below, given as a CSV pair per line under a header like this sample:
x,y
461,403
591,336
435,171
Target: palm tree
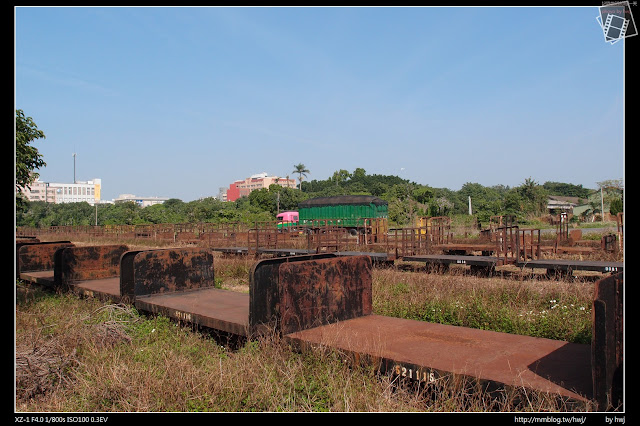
x,y
301,171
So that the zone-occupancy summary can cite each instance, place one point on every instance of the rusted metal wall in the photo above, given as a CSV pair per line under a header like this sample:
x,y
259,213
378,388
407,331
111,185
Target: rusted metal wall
x,y
264,294
166,270
87,263
607,342
37,257
318,292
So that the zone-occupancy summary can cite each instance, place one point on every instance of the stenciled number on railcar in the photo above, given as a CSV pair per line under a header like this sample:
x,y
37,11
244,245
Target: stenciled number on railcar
x,y
421,375
184,316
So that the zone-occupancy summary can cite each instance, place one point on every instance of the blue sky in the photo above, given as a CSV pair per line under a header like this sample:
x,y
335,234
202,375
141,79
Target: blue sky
x,y
178,102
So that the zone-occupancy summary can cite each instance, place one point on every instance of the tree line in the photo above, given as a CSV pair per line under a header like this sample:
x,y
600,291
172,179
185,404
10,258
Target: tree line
x,y
407,200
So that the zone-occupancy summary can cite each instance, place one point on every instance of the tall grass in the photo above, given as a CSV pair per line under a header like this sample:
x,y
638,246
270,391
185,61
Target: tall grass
x,y
541,308
80,355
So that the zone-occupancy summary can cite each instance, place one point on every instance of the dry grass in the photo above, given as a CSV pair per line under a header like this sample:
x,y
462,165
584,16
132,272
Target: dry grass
x,y
79,355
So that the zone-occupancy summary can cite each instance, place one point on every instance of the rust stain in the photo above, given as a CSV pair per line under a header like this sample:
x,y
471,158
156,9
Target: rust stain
x,y
38,257
87,263
318,292
170,270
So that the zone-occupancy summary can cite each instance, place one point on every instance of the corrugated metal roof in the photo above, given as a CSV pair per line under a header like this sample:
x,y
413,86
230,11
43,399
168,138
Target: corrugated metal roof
x,y
343,199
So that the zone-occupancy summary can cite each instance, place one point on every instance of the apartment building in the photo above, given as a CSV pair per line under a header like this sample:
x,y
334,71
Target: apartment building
x,y
53,192
244,187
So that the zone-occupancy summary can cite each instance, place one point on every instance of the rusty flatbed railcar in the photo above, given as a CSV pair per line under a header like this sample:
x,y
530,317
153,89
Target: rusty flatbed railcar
x,y
308,311
184,289
490,262
271,251
448,259
567,266
88,270
285,251
376,258
482,265
231,250
179,284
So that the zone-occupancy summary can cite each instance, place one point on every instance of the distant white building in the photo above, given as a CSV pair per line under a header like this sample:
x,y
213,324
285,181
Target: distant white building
x,y
141,201
54,192
89,191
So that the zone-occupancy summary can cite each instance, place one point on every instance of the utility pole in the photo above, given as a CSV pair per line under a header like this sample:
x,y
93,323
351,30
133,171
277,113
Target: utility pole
x,y
74,167
601,204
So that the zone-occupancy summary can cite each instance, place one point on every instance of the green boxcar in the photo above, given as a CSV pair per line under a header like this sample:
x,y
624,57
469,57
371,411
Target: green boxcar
x,y
345,210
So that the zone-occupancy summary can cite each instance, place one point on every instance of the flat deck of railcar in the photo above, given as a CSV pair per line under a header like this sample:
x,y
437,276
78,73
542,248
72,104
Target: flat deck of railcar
x,y
222,310
109,287
512,360
456,259
575,265
39,277
285,251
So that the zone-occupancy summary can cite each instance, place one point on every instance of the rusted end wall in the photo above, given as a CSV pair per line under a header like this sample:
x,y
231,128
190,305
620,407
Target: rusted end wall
x,y
37,257
164,271
264,295
87,263
294,293
607,342
319,292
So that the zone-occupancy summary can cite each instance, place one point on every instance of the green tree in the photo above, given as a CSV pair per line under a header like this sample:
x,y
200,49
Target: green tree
x,y
301,170
127,213
287,198
36,214
610,191
534,197
28,159
359,174
378,189
566,189
159,213
616,206
203,210
276,199
262,199
440,207
340,176
422,194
